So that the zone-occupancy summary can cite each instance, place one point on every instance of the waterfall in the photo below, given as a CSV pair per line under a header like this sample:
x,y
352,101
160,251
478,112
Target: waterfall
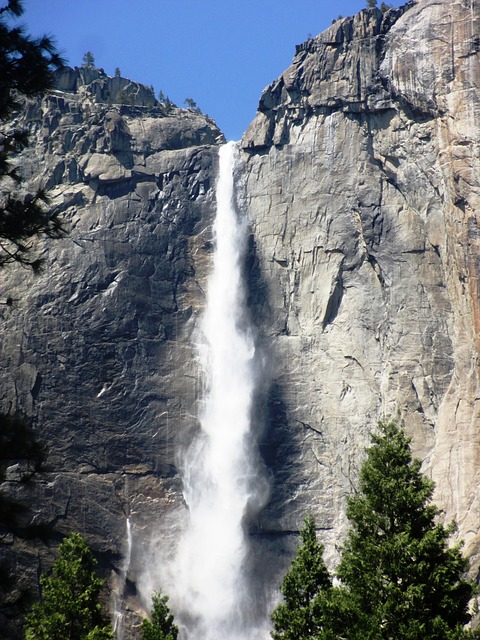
x,y
222,484
118,626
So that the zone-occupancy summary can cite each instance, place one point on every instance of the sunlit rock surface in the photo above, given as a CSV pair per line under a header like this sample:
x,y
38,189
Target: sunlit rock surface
x,y
98,348
362,184
361,178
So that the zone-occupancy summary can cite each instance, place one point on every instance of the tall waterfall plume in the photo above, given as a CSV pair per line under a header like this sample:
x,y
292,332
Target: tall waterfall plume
x,y
119,594
223,486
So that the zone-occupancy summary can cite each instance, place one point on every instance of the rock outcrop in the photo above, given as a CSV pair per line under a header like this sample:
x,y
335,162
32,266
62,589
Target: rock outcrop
x,y
361,179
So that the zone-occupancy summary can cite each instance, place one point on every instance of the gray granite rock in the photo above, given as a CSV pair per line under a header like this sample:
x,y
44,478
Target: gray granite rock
x,y
362,186
360,176
97,349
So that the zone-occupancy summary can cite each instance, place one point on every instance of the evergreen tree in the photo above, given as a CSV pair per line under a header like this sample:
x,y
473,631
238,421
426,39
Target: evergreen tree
x,y
166,103
403,579
191,104
305,587
161,625
26,69
69,607
371,3
88,61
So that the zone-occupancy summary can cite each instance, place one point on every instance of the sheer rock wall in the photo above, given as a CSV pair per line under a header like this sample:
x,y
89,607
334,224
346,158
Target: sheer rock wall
x,y
98,348
360,176
362,183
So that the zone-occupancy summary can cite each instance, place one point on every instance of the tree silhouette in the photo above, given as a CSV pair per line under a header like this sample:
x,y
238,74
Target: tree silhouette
x,y
88,61
26,69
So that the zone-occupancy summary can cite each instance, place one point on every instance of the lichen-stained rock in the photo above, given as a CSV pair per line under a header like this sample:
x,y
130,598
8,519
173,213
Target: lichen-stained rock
x,y
362,185
97,349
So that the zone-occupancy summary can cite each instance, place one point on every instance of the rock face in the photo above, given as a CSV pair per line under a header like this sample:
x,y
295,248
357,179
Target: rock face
x,y
360,176
362,184
97,349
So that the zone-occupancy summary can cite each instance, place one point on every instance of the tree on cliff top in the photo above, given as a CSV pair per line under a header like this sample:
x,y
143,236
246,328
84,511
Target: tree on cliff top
x,y
26,69
69,607
161,625
403,579
88,60
304,588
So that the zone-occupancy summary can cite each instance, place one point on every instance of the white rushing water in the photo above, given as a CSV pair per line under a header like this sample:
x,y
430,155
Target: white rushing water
x,y
118,625
221,480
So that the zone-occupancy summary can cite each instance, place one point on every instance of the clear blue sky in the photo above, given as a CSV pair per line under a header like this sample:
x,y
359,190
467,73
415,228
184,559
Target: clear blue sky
x,y
221,53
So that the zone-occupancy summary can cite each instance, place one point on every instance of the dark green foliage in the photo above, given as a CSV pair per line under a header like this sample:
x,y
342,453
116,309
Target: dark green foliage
x,y
168,105
26,69
69,607
403,579
371,3
191,104
385,7
118,73
22,220
125,98
302,613
88,61
26,63
161,625
400,578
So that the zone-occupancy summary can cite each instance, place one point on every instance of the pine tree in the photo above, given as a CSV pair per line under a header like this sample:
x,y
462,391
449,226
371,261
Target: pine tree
x,y
304,588
403,579
26,69
69,607
88,61
191,104
161,625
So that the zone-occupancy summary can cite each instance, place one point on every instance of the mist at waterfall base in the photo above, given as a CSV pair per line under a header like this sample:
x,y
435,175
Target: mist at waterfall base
x,y
223,486
121,583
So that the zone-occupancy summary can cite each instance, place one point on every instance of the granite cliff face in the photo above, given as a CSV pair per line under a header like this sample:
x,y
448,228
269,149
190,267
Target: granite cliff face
x,y
360,175
362,184
98,348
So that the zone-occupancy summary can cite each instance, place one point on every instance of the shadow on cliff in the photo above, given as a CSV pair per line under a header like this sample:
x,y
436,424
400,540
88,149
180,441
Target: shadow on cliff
x,y
275,437
22,459
270,542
